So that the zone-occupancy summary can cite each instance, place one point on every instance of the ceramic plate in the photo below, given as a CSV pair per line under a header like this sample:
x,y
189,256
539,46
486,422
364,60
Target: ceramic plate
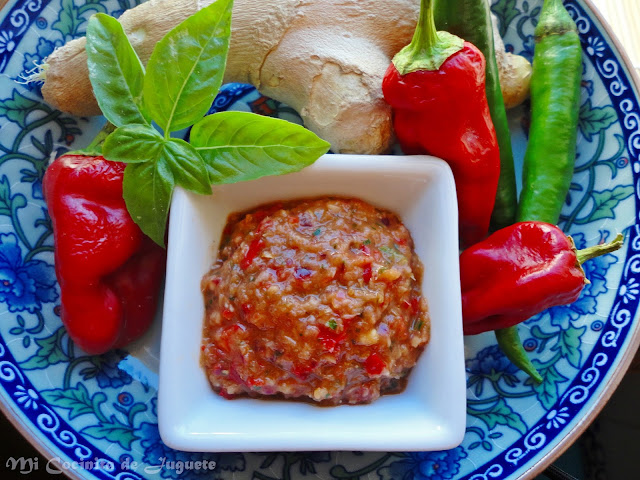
x,y
96,417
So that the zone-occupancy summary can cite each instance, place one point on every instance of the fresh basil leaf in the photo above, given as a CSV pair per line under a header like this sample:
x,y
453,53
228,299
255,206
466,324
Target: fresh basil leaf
x,y
133,144
187,166
156,165
115,71
147,189
186,68
239,146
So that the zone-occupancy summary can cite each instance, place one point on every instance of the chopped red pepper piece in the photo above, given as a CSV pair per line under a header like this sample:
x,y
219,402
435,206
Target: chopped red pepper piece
x,y
330,338
415,305
374,365
255,247
366,273
302,371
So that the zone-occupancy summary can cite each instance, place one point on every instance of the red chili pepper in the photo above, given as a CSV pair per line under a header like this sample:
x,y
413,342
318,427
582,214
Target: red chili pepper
x,y
109,271
520,271
436,87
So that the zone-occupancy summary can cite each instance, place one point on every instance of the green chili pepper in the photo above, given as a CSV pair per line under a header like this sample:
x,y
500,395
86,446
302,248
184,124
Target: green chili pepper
x,y
550,156
555,103
471,20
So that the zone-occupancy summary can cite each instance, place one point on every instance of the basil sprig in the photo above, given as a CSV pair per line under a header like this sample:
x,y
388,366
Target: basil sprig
x,y
183,76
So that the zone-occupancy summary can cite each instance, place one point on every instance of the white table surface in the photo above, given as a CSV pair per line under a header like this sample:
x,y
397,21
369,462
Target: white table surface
x,y
624,18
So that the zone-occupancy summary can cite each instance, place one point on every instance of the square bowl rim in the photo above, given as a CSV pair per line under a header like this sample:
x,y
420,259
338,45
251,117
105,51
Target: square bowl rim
x,y
178,433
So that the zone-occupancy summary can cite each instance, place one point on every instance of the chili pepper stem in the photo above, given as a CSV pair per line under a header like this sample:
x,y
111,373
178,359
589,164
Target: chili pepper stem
x,y
425,35
94,149
428,49
599,250
554,19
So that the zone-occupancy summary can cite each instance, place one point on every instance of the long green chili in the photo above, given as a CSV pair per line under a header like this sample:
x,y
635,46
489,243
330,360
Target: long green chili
x,y
555,103
471,20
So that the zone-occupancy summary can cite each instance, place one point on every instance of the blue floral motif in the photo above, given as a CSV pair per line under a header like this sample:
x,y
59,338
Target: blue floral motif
x,y
425,465
490,364
630,291
557,418
595,46
24,285
7,43
105,370
27,397
165,459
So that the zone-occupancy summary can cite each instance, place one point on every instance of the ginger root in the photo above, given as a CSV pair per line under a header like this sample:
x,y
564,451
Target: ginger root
x,y
514,71
324,58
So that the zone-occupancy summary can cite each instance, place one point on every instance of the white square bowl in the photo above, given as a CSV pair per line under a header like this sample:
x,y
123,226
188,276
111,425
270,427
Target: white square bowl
x,y
428,415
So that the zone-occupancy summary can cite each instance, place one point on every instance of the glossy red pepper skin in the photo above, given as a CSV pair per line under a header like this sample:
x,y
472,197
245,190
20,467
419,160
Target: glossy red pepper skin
x,y
516,273
445,113
109,272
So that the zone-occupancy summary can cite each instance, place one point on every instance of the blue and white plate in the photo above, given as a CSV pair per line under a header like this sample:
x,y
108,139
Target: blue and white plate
x,y
96,417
